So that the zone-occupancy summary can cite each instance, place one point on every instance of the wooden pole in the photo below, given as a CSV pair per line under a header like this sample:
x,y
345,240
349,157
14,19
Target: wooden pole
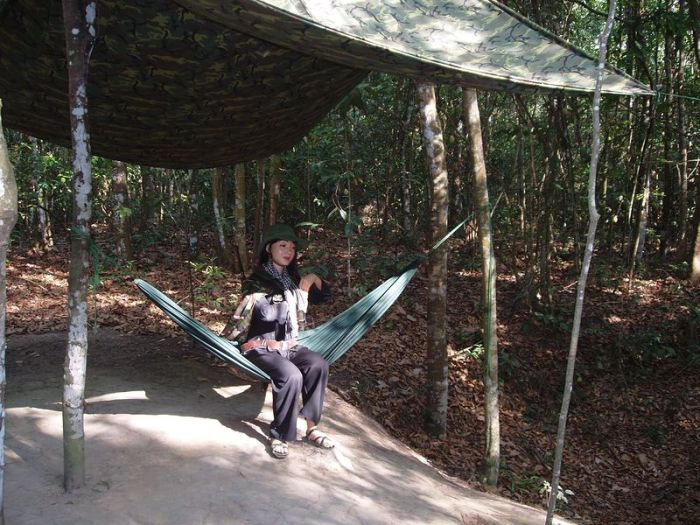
x,y
79,22
8,219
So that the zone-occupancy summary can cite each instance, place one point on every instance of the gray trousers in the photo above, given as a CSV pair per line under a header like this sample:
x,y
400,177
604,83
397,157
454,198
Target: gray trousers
x,y
302,371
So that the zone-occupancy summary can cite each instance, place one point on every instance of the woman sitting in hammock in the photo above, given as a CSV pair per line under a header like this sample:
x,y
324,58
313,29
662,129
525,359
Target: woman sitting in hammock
x,y
273,311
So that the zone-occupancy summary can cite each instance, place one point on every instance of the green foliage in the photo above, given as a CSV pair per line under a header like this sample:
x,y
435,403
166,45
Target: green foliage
x,y
644,347
209,276
521,483
475,351
124,212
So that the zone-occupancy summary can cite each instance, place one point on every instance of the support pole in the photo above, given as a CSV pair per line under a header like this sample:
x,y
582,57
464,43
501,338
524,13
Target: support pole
x,y
79,22
8,219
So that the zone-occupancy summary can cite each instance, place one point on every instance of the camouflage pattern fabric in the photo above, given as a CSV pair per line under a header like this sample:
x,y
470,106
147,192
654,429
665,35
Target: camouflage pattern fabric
x,y
203,83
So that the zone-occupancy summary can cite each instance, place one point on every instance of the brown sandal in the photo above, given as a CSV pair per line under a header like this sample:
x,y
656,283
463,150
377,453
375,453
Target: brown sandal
x,y
319,438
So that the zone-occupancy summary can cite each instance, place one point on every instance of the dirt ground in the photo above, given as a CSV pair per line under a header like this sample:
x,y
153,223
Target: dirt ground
x,y
173,437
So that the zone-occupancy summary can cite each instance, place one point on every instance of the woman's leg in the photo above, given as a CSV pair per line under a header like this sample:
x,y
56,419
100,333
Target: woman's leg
x,y
314,370
287,382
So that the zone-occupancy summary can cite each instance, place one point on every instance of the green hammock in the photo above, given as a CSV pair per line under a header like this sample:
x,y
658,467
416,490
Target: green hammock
x,y
332,339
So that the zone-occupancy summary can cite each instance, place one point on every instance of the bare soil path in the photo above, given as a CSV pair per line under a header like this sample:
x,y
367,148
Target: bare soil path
x,y
174,439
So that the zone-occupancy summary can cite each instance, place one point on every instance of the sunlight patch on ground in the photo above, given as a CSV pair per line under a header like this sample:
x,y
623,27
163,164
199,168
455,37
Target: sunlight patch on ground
x,y
230,391
118,396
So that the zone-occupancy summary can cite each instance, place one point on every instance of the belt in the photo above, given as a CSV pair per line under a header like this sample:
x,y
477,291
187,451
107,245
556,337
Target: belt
x,y
268,344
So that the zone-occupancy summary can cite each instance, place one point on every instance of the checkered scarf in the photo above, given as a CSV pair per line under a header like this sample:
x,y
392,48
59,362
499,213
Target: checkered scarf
x,y
284,279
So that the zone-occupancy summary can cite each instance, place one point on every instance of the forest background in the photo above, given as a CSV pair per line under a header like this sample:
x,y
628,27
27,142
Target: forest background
x,y
358,186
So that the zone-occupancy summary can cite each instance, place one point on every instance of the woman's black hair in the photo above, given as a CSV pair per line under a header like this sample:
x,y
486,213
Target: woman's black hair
x,y
292,267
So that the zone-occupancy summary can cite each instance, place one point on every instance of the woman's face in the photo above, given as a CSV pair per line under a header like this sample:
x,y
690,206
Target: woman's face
x,y
282,253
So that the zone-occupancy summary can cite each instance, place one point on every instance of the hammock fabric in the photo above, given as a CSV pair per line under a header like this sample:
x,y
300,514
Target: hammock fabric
x,y
332,339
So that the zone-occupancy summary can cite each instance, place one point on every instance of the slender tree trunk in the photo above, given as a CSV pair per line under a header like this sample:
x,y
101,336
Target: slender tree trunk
x,y
669,176
45,235
405,175
147,185
638,246
522,186
695,262
488,301
540,215
217,192
8,219
259,205
349,172
193,233
275,176
79,20
122,212
436,360
642,175
239,219
682,150
695,270
588,255
694,6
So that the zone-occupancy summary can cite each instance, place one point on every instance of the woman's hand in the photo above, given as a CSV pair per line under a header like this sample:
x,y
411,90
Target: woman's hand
x,y
309,280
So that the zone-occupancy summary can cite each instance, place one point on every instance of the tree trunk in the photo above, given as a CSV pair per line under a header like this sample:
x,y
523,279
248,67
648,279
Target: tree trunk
x,y
225,255
695,271
259,206
275,176
193,230
147,184
436,360
349,169
694,6
522,186
192,233
239,220
643,175
488,299
583,277
667,171
682,150
8,219
638,246
79,22
122,212
45,235
695,263
407,216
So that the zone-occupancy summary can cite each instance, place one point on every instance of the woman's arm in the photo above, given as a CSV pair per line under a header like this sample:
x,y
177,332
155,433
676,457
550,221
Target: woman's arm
x,y
309,280
318,289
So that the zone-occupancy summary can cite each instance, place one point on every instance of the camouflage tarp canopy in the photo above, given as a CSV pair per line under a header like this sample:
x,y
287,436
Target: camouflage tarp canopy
x,y
200,83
